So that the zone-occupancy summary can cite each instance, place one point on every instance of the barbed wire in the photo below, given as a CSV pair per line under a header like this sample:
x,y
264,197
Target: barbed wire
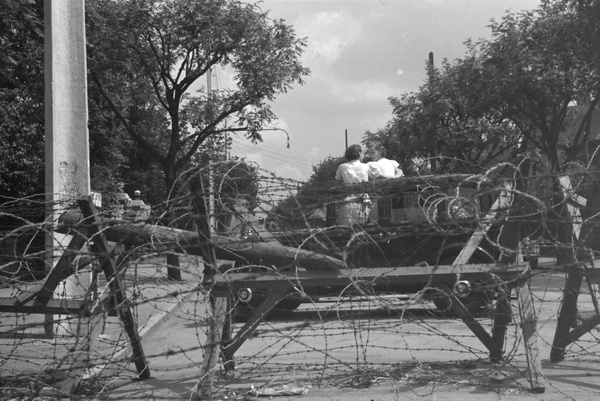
x,y
351,336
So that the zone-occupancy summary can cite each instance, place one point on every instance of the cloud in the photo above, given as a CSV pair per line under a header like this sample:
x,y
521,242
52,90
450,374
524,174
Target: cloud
x,y
360,53
361,92
329,34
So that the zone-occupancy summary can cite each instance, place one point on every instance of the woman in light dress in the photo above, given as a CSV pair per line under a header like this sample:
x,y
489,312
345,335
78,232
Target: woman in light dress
x,y
382,167
355,208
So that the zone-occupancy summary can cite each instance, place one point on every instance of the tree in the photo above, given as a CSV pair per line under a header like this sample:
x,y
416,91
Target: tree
x,y
543,68
231,180
441,125
294,210
146,56
540,64
21,99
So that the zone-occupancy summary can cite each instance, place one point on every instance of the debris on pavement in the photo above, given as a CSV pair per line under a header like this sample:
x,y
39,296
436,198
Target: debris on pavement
x,y
278,390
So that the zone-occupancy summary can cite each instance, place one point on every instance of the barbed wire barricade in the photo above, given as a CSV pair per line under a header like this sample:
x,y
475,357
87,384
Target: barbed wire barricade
x,y
289,298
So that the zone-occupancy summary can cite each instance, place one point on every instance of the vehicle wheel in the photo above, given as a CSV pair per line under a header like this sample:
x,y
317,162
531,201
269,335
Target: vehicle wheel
x,y
245,310
478,302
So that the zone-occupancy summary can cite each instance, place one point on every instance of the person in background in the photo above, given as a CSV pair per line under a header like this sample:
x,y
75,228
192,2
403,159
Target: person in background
x,y
380,166
355,208
137,201
354,171
121,196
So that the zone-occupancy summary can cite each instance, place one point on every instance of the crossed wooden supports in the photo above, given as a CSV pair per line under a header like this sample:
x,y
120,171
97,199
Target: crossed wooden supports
x,y
565,334
39,299
279,285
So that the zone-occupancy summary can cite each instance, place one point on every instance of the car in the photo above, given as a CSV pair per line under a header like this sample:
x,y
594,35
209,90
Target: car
x,y
410,221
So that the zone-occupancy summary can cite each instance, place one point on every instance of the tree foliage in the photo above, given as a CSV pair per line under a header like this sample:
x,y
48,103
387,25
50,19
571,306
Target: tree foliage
x,y
533,85
441,129
540,64
294,210
21,99
532,88
146,58
228,181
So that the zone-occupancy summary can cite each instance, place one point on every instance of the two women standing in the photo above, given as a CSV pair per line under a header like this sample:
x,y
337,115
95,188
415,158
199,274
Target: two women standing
x,y
356,208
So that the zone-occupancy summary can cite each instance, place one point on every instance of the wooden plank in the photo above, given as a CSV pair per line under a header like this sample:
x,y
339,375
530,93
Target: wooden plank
x,y
49,307
563,335
227,335
574,201
204,387
395,275
502,317
530,337
457,307
585,327
276,295
568,312
109,267
63,269
501,204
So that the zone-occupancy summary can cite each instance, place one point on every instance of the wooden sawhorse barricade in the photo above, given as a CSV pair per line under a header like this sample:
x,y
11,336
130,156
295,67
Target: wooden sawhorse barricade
x,y
39,299
565,334
514,276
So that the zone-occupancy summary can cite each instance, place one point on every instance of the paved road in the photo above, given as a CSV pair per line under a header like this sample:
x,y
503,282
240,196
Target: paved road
x,y
396,354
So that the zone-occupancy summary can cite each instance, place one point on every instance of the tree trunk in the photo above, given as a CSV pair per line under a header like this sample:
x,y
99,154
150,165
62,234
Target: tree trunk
x,y
173,270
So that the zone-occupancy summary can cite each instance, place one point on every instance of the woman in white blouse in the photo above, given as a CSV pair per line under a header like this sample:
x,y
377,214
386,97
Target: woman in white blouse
x,y
382,167
355,208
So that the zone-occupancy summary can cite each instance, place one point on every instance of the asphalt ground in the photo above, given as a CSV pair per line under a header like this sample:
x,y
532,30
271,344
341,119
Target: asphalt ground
x,y
418,355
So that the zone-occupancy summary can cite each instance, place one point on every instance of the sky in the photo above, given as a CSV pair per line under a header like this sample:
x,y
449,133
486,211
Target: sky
x,y
360,53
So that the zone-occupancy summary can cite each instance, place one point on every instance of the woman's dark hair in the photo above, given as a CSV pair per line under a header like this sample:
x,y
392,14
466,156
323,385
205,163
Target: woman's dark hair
x,y
353,152
379,147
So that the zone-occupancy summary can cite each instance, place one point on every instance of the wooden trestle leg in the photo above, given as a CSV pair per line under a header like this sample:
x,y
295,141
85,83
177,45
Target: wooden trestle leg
x,y
568,312
204,388
529,329
515,276
109,267
495,342
276,295
218,335
502,317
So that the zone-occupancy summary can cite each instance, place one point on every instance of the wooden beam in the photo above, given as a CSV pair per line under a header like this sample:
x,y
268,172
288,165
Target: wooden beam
x,y
204,387
502,317
276,295
49,307
502,204
408,275
109,267
44,291
461,311
568,312
529,329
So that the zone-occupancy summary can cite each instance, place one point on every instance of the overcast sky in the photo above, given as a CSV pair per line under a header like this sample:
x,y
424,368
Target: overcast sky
x,y
360,53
